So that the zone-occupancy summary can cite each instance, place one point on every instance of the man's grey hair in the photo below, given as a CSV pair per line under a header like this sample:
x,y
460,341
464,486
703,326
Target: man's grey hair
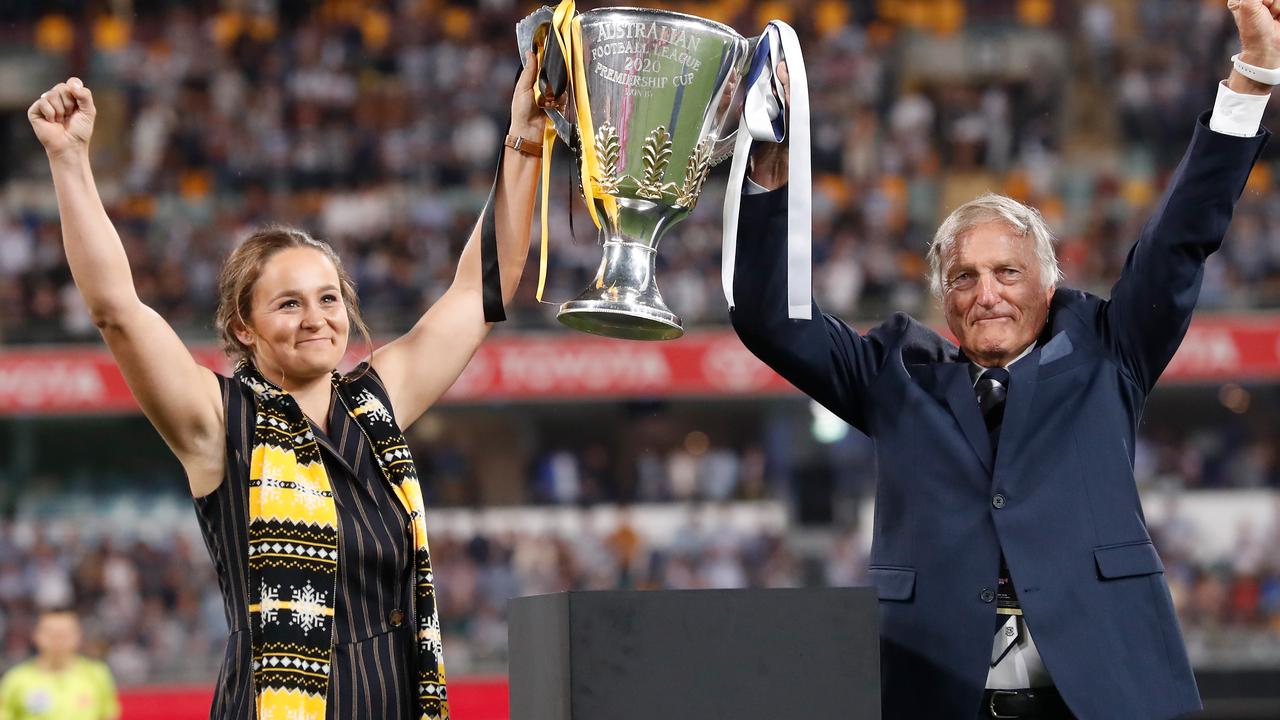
x,y
1024,220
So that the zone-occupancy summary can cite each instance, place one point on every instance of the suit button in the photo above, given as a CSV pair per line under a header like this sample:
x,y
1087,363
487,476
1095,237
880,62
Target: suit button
x,y
997,502
397,618
988,595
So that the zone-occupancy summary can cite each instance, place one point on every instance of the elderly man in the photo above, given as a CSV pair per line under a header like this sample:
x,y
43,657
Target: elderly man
x,y
1015,574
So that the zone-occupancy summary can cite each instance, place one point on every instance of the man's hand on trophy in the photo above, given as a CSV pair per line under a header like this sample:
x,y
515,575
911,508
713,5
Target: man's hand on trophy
x,y
527,119
784,78
769,167
1258,22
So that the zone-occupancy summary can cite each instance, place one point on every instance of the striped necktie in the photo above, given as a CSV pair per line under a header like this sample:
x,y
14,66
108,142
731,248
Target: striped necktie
x,y
991,389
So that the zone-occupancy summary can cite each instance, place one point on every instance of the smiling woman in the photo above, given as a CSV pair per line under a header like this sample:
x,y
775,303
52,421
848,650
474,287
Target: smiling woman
x,y
281,291
308,498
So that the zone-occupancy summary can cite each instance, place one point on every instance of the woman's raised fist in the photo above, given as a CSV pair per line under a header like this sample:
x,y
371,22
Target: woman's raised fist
x,y
63,118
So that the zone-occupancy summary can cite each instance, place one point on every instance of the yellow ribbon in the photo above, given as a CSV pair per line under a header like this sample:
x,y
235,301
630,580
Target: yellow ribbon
x,y
566,26
548,145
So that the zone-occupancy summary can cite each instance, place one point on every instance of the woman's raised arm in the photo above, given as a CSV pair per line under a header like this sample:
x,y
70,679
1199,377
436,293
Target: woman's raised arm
x,y
418,367
180,397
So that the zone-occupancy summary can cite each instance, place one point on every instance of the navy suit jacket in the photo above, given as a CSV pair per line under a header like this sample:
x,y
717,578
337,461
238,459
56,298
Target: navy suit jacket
x,y
1059,499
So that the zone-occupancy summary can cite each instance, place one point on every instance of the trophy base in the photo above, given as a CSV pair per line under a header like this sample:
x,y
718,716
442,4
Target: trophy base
x,y
620,320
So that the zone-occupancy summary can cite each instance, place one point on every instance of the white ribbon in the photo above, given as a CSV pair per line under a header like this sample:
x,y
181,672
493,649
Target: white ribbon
x,y
763,118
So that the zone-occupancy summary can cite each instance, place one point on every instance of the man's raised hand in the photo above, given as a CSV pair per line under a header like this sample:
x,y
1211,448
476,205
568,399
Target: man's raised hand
x,y
1258,22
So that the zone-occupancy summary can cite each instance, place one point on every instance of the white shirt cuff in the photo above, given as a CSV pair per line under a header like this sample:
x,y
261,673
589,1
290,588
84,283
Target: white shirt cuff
x,y
751,187
1238,114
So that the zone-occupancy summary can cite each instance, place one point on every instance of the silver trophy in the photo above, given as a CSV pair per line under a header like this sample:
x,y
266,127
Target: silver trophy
x,y
664,93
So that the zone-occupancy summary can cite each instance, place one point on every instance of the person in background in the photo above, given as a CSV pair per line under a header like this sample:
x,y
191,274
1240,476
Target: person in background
x,y
58,683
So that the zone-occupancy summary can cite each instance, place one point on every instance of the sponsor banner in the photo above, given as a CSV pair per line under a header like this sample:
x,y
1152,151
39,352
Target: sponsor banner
x,y
554,367
71,380
512,368
1229,348
470,698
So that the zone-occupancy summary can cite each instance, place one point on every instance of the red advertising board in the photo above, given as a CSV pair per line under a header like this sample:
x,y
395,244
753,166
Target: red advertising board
x,y
469,699
84,379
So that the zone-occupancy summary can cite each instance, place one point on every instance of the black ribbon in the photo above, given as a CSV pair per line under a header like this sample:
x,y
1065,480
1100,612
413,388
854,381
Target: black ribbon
x,y
491,275
490,272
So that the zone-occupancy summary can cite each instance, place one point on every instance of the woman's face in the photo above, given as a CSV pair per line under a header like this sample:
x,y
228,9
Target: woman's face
x,y
298,323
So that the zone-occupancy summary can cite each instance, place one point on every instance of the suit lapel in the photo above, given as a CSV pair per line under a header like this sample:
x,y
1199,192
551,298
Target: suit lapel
x,y
950,382
957,389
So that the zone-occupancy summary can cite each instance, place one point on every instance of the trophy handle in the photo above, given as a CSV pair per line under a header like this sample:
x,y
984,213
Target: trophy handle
x,y
532,34
723,148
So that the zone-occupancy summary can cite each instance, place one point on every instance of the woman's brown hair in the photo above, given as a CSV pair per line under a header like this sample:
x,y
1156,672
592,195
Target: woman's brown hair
x,y
241,271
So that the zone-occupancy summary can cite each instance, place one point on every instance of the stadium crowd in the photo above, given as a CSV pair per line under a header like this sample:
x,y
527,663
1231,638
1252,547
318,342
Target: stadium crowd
x,y
151,609
375,125
1205,457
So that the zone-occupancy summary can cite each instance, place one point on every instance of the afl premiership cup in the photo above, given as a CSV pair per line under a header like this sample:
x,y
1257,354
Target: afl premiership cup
x,y
654,99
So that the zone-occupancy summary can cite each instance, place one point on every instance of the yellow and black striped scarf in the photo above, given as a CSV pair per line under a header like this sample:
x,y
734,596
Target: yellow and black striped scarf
x,y
293,550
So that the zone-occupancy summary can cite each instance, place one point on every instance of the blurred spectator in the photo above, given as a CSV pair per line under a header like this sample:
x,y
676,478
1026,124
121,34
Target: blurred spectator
x,y
151,627
58,683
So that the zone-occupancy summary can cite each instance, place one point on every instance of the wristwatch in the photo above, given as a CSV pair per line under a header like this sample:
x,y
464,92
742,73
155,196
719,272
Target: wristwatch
x,y
523,145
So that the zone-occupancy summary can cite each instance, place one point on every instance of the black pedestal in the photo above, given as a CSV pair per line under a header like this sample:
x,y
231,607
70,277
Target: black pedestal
x,y
696,655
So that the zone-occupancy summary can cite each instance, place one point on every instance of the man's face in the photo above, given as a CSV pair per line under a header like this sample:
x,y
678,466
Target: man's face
x,y
993,294
57,635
